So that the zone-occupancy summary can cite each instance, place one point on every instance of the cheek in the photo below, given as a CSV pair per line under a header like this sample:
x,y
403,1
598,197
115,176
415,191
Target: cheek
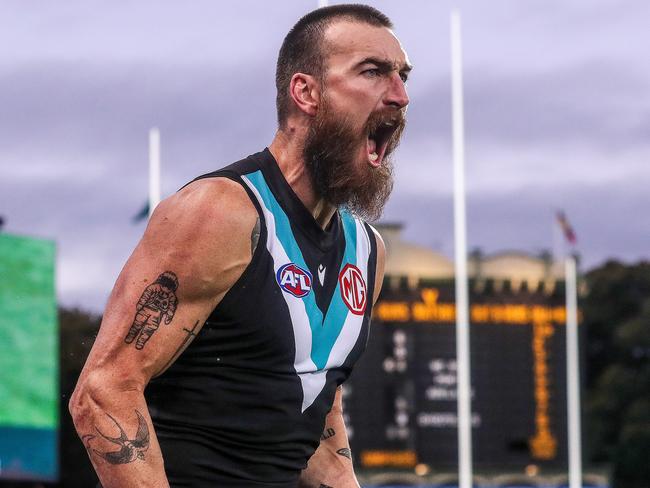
x,y
354,103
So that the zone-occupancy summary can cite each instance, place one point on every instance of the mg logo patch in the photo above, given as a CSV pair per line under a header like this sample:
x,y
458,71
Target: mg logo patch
x,y
353,289
295,280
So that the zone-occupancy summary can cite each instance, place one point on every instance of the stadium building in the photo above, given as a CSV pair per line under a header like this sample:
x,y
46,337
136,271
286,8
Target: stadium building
x,y
401,399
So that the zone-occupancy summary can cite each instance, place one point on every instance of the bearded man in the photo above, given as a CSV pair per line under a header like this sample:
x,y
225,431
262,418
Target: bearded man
x,y
275,275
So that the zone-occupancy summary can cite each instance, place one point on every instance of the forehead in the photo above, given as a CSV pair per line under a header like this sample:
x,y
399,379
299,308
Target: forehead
x,y
348,41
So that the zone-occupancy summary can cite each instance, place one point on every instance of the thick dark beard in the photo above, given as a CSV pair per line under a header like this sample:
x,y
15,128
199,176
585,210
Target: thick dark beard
x,y
331,148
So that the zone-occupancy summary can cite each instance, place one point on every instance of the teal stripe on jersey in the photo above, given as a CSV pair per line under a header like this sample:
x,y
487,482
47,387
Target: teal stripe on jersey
x,y
326,330
338,310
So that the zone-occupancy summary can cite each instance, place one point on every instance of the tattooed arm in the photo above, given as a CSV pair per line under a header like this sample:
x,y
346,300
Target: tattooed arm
x,y
331,464
196,246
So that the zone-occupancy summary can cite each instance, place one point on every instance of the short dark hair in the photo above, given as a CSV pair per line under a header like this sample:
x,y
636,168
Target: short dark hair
x,y
302,48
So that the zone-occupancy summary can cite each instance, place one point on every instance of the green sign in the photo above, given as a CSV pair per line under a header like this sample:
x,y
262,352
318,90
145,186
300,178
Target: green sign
x,y
28,333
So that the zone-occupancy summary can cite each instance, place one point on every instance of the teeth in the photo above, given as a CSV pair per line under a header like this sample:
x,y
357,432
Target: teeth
x,y
374,157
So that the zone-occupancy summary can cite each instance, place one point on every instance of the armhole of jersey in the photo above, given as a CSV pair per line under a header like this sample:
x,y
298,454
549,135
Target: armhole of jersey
x,y
234,290
372,260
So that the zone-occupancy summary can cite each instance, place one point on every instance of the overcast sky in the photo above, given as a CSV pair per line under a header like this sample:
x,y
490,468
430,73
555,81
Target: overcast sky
x,y
557,116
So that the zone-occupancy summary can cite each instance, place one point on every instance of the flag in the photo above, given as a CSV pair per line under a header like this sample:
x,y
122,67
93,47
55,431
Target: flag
x,y
142,214
566,227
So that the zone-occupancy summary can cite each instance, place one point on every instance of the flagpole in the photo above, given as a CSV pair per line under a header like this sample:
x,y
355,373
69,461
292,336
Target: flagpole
x,y
464,399
573,374
154,169
558,246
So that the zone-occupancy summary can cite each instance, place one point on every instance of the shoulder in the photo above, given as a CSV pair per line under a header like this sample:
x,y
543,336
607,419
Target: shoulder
x,y
205,228
205,208
216,197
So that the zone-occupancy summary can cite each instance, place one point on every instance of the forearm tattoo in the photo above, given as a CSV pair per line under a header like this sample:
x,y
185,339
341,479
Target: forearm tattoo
x,y
86,442
255,235
327,433
157,304
345,452
130,449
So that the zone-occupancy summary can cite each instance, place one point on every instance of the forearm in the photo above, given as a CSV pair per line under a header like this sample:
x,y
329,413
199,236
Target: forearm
x,y
115,427
331,464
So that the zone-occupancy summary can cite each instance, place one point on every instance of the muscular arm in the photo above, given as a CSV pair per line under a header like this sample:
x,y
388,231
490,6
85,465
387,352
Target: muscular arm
x,y
331,464
200,237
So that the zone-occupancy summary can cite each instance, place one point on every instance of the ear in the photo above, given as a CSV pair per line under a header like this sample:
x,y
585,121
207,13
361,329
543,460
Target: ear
x,y
305,93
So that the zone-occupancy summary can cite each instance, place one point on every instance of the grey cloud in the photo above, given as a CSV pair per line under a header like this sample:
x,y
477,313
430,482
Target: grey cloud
x,y
73,131
602,104
607,220
87,106
65,116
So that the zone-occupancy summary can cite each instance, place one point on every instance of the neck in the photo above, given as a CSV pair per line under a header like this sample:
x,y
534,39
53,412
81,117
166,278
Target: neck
x,y
287,149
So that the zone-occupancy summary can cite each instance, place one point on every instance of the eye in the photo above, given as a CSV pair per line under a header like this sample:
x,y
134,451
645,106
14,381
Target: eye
x,y
404,77
372,72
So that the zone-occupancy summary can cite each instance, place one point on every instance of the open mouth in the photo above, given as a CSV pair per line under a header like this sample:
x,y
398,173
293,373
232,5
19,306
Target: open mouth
x,y
378,141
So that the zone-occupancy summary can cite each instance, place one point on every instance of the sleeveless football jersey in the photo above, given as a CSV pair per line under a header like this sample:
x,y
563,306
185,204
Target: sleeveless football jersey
x,y
245,404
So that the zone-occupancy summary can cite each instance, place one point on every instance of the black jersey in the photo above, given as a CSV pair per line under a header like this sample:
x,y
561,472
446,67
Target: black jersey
x,y
245,404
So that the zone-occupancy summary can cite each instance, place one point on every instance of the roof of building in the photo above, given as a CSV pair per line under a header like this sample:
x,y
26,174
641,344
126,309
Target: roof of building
x,y
405,259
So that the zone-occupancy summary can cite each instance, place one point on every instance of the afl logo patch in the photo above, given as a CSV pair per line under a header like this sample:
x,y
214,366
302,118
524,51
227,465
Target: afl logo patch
x,y
353,289
295,280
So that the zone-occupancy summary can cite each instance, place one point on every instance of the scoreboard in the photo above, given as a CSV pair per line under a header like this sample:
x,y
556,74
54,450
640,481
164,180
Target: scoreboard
x,y
400,401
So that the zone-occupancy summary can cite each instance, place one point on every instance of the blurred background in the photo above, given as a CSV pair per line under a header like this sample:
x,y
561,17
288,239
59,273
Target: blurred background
x,y
557,122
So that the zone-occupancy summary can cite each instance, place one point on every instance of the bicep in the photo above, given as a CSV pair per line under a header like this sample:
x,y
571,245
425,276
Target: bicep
x,y
175,277
151,314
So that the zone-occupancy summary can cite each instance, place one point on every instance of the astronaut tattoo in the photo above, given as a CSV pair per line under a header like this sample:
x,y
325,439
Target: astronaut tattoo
x,y
157,304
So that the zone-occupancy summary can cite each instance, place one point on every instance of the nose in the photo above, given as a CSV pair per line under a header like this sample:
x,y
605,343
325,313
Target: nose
x,y
396,95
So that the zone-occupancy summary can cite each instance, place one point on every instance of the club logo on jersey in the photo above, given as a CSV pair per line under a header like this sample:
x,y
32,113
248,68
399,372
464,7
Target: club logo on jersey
x,y
353,289
295,280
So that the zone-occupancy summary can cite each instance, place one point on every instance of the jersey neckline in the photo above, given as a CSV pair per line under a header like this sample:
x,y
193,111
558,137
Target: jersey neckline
x,y
287,198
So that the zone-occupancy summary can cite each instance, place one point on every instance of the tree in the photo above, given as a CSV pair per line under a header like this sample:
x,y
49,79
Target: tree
x,y
617,320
